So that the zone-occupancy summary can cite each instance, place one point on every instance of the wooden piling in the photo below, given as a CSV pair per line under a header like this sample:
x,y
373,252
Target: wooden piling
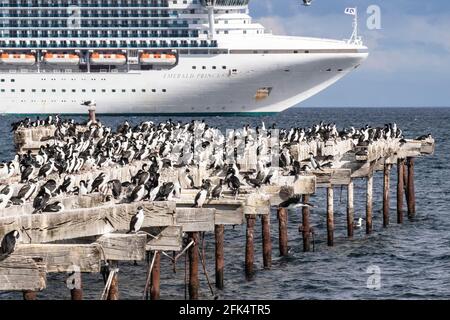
x,y
400,189
411,192
249,246
193,266
219,233
306,226
113,293
283,234
330,216
266,240
369,204
155,277
77,293
29,295
386,196
350,209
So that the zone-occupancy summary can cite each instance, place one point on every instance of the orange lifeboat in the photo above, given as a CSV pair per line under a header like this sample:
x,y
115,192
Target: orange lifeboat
x,y
113,59
162,59
18,58
62,58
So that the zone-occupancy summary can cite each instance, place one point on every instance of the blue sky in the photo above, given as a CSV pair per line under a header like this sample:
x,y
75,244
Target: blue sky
x,y
409,64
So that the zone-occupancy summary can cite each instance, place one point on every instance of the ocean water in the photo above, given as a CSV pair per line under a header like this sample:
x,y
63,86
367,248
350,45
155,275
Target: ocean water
x,y
413,258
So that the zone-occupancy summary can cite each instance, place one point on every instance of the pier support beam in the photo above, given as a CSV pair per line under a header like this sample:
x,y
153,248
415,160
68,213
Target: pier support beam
x,y
267,242
155,277
400,189
369,204
77,293
219,233
29,295
306,226
193,266
411,196
330,216
114,288
350,209
283,233
249,246
386,195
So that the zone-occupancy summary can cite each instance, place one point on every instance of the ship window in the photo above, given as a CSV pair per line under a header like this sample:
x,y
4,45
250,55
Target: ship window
x,y
103,90
83,90
93,90
33,90
3,90
63,90
12,90
133,90
295,51
224,67
3,80
306,51
13,80
143,90
73,90
113,90
164,90
153,90
214,67
43,90
22,90
53,90
204,67
194,67
123,90
340,70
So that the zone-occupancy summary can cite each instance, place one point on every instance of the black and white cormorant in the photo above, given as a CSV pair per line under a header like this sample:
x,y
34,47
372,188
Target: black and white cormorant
x,y
137,220
9,243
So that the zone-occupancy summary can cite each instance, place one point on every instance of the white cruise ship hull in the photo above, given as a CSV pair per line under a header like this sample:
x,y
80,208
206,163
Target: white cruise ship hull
x,y
215,84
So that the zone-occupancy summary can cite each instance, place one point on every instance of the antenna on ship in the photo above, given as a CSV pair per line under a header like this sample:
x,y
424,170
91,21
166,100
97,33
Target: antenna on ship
x,y
355,38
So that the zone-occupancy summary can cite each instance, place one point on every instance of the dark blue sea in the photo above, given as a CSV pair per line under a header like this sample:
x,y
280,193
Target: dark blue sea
x,y
413,258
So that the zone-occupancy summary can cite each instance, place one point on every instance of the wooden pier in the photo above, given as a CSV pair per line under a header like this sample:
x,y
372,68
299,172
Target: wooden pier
x,y
90,233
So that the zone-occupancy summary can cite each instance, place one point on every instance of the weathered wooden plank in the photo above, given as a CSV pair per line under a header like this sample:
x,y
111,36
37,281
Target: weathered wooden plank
x,y
19,273
41,228
169,239
195,219
300,184
123,247
60,257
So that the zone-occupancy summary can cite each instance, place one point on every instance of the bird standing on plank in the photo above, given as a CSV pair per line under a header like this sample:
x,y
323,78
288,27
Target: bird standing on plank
x,y
137,220
200,198
9,243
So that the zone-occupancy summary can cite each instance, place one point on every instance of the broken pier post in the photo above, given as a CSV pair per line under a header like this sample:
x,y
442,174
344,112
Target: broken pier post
x,y
155,277
306,226
249,246
350,209
267,242
386,196
411,198
219,235
400,189
330,216
193,266
283,233
369,203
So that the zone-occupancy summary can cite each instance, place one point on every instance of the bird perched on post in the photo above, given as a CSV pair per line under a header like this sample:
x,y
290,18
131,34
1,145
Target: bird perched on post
x,y
137,220
9,243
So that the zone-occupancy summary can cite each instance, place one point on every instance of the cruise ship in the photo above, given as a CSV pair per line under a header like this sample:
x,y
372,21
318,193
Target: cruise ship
x,y
158,57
